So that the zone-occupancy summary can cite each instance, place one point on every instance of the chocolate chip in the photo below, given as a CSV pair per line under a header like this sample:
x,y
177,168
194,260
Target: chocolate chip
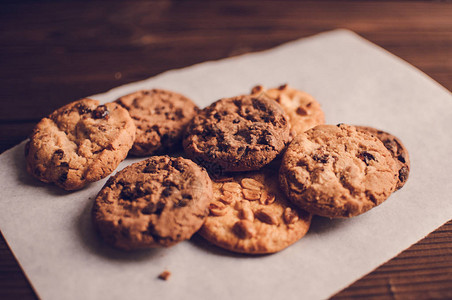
x,y
101,112
283,121
58,154
179,113
366,157
282,87
223,147
167,191
301,163
187,196
301,111
247,150
321,158
168,182
82,109
235,121
259,105
265,139
147,210
62,178
110,182
246,134
182,203
152,208
127,193
403,174
152,233
251,118
140,190
371,197
159,208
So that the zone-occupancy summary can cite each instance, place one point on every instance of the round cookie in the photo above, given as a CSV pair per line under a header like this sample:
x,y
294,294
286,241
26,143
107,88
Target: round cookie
x,y
237,134
397,149
156,202
79,143
160,117
337,171
250,214
303,110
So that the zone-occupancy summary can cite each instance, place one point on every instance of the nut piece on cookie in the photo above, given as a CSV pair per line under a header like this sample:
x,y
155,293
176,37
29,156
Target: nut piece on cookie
x,y
79,143
153,203
237,134
303,110
396,148
337,171
160,117
254,227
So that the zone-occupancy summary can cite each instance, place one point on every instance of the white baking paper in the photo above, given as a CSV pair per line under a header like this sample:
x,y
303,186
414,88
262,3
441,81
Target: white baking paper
x,y
356,82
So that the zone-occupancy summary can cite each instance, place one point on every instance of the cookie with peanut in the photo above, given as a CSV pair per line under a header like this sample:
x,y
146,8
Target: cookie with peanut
x,y
249,214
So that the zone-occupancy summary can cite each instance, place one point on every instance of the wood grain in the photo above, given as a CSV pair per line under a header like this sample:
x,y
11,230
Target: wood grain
x,y
53,52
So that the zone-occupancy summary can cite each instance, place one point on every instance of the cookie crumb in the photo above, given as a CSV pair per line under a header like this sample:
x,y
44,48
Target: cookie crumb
x,y
165,275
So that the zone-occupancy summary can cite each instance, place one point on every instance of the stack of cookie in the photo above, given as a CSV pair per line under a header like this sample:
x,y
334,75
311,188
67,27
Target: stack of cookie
x,y
257,167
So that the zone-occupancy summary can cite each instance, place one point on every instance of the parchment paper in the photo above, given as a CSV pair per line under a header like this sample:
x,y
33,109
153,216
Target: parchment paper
x,y
356,82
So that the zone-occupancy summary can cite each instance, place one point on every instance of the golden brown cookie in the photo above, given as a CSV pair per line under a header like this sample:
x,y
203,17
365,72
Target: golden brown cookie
x,y
160,117
79,143
303,110
237,134
397,149
250,214
337,171
156,202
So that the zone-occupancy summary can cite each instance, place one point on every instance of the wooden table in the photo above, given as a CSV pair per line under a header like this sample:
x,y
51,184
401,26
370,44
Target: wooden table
x,y
55,52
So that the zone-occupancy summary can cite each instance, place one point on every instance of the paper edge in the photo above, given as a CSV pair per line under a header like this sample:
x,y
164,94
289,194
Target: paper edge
x,y
208,62
342,31
397,58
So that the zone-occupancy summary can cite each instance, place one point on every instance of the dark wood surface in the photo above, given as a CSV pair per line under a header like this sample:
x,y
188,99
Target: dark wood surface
x,y
54,52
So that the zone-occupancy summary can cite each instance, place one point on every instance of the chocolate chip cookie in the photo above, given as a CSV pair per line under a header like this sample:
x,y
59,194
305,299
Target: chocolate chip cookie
x,y
79,143
156,202
397,149
337,171
160,117
250,214
237,134
303,110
